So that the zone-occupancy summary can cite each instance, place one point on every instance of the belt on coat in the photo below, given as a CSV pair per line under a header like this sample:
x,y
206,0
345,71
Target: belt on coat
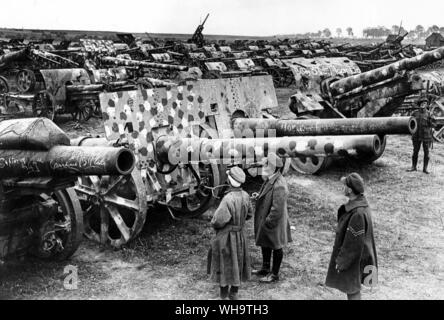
x,y
210,250
231,229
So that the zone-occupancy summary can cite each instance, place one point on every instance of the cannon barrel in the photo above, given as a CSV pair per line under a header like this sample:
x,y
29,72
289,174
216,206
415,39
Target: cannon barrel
x,y
321,127
63,161
172,151
12,56
386,72
146,64
37,147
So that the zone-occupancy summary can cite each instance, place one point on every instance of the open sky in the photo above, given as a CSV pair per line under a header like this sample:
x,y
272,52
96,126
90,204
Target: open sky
x,y
232,17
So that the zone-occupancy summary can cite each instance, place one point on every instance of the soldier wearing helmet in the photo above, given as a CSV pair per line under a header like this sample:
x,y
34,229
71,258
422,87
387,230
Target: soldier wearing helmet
x,y
423,134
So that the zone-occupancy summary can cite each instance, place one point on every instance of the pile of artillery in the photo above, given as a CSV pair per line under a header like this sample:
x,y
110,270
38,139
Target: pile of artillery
x,y
180,139
180,113
38,79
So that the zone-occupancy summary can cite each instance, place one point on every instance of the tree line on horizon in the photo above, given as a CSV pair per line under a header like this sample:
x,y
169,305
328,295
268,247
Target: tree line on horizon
x,y
420,32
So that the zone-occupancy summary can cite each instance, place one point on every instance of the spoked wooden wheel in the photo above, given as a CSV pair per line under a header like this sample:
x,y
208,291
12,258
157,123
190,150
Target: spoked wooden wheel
x,y
4,86
114,207
25,80
84,110
65,235
438,111
43,105
191,206
288,79
310,165
276,75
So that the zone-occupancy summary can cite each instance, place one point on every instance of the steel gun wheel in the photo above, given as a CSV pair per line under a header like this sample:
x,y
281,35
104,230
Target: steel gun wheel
x,y
61,240
114,207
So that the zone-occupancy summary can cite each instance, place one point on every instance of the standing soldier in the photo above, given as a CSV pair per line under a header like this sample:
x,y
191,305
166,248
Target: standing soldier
x,y
229,257
423,134
271,225
354,253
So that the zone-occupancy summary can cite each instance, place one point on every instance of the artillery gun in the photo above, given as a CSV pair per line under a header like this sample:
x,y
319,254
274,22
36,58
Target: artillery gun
x,y
24,65
198,37
376,93
39,210
183,139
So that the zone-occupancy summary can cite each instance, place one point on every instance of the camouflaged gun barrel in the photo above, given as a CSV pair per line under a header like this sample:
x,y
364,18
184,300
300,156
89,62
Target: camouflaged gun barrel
x,y
65,161
321,127
386,72
78,88
172,151
13,56
146,64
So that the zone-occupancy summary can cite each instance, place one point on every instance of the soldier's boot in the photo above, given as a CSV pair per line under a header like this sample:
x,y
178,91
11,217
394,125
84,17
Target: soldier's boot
x,y
414,163
426,164
265,270
233,295
224,293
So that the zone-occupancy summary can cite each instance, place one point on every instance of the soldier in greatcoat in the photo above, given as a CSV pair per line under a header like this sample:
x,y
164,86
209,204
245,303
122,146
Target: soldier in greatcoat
x,y
271,223
229,254
353,261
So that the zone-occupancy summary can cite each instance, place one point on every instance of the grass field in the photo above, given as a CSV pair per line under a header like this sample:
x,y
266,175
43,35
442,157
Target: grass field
x,y
168,260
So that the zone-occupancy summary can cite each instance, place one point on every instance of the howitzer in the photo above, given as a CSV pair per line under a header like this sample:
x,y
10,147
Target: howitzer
x,y
374,76
377,92
144,64
39,211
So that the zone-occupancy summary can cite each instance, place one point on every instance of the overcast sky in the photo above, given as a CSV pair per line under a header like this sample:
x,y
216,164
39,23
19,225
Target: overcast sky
x,y
234,17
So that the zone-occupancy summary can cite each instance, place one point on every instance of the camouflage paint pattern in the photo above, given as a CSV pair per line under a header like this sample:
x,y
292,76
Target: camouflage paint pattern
x,y
309,72
109,75
161,57
245,64
142,116
385,72
225,49
216,66
217,55
252,150
197,55
240,55
98,46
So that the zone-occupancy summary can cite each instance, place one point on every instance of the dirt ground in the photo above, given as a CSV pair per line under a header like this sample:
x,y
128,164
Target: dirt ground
x,y
168,260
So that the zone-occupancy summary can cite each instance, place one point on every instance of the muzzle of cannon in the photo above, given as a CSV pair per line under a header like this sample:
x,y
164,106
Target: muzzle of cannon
x,y
383,73
62,161
321,127
136,63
